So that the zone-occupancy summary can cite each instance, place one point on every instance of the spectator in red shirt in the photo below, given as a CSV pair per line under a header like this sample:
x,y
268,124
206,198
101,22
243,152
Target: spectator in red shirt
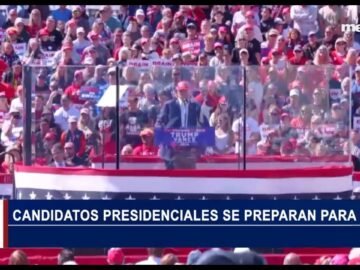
x,y
174,46
304,119
294,38
35,23
5,88
197,14
11,35
74,135
191,43
147,148
211,96
338,55
166,18
298,58
73,91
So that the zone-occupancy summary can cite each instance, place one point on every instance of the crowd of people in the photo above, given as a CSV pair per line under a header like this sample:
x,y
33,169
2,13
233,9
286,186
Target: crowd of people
x,y
288,75
214,256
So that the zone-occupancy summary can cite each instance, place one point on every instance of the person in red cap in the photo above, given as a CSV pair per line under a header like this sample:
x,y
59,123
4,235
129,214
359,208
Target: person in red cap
x,y
66,57
224,36
115,256
180,112
70,29
102,51
285,128
147,148
245,39
219,53
276,58
11,34
44,39
73,91
238,18
250,23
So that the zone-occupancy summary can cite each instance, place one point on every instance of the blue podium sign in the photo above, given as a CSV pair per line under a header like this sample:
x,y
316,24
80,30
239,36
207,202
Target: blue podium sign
x,y
185,137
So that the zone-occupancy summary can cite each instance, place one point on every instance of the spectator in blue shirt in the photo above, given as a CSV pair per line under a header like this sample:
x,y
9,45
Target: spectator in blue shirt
x,y
106,15
62,13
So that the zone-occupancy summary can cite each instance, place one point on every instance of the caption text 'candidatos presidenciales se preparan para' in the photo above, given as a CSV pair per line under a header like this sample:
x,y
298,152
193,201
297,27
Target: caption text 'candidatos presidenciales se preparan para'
x,y
184,215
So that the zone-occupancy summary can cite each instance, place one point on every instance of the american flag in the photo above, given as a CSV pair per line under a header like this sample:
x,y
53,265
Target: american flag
x,y
93,184
40,194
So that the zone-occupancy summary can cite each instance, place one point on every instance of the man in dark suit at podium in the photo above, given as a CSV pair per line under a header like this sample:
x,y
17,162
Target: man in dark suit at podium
x,y
180,112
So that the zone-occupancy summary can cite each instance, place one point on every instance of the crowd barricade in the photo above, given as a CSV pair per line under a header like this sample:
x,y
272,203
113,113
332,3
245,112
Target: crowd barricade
x,y
221,162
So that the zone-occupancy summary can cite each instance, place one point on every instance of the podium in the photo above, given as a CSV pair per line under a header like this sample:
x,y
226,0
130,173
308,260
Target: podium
x,y
182,147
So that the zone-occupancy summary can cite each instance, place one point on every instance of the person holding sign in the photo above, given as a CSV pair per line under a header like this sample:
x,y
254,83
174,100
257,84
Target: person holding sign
x,y
180,113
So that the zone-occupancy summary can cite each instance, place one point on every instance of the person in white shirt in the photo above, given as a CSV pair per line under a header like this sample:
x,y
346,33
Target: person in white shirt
x,y
64,112
350,42
17,103
80,43
12,128
239,18
252,130
223,136
255,87
218,59
250,21
352,13
331,15
148,101
305,18
271,121
147,50
154,258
